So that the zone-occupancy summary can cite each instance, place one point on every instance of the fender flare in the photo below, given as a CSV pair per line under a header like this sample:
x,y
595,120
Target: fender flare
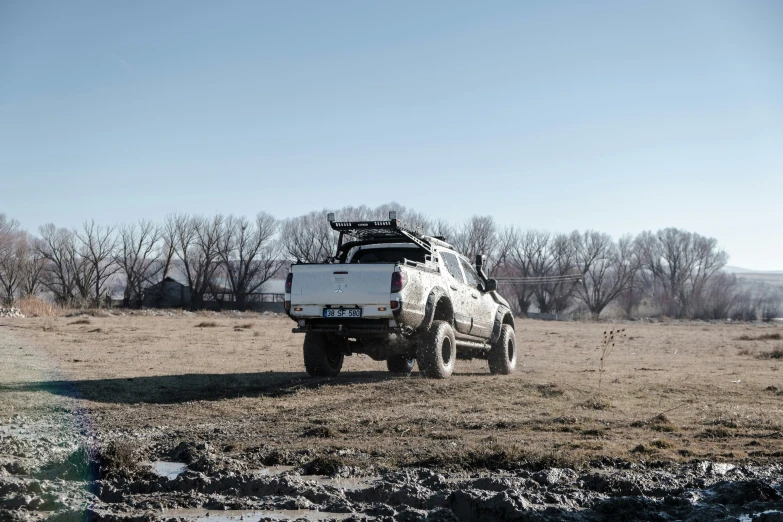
x,y
500,317
429,308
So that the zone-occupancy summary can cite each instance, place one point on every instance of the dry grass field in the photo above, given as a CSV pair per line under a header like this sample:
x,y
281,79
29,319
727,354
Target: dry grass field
x,y
668,391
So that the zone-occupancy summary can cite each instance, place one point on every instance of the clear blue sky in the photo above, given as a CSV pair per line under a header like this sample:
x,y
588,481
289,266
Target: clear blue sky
x,y
619,116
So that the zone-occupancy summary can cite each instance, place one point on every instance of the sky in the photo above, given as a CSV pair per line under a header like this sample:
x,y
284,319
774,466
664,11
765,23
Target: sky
x,y
613,116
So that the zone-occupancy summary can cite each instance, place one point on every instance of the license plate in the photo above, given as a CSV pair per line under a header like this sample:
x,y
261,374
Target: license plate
x,y
338,313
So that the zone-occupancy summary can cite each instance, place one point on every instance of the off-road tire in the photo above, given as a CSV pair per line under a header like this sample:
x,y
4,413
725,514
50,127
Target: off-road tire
x,y
321,357
437,351
400,364
502,357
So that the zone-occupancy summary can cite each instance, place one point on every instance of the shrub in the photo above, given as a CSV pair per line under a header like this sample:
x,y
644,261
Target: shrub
x,y
776,353
34,307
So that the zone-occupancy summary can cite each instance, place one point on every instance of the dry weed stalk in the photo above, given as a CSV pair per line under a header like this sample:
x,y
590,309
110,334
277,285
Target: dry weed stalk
x,y
611,337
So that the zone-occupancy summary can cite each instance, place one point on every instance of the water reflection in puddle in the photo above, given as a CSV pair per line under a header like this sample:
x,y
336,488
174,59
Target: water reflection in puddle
x,y
347,484
200,515
274,470
170,470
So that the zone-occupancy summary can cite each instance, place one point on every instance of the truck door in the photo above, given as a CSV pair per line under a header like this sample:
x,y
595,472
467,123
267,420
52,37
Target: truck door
x,y
481,304
459,291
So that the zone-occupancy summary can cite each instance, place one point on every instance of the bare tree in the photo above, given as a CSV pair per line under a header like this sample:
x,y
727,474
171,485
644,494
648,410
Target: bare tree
x,y
409,217
308,238
718,297
442,228
680,263
14,252
32,278
607,268
478,235
526,257
66,275
9,228
196,241
556,293
772,305
249,254
139,258
97,246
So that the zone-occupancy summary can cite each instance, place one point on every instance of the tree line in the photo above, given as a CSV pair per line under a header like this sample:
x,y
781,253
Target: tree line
x,y
671,272
77,267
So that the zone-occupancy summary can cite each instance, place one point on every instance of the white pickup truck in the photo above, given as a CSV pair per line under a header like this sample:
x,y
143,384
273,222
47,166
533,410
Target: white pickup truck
x,y
399,296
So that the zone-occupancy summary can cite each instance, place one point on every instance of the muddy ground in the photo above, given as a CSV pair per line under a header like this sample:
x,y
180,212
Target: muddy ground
x,y
211,417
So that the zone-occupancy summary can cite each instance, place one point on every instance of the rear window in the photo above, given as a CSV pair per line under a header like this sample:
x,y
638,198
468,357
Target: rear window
x,y
387,255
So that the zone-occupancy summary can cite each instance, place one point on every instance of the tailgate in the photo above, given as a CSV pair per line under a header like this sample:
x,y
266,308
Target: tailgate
x,y
341,284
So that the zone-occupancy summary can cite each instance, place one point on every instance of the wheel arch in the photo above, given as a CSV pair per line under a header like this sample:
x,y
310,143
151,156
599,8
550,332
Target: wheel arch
x,y
502,316
438,308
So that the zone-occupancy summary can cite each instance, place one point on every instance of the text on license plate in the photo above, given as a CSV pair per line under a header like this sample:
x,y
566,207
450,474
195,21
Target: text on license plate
x,y
342,312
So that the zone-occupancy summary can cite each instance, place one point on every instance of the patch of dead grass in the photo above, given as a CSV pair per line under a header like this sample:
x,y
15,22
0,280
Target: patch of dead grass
x,y
763,337
775,353
34,307
206,324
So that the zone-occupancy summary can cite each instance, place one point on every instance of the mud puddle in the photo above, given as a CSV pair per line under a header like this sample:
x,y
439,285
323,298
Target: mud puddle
x,y
170,470
770,515
197,515
195,481
346,483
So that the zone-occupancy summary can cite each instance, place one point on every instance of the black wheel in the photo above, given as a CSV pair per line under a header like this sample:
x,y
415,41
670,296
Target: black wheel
x,y
400,364
321,357
502,356
437,351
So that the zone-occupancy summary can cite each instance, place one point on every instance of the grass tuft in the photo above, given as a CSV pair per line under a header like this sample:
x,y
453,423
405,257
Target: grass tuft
x,y
324,465
596,404
763,337
549,390
320,432
776,353
119,456
206,324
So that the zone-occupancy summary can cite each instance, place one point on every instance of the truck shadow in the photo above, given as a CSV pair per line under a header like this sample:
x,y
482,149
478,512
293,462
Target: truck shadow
x,y
173,389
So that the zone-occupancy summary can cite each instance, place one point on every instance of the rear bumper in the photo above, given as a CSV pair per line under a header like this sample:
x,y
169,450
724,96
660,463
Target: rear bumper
x,y
349,327
315,312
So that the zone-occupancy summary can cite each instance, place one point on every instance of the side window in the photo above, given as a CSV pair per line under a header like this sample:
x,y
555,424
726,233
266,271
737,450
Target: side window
x,y
471,277
452,265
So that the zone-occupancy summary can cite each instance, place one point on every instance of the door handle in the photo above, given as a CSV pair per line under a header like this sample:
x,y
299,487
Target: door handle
x,y
474,296
453,287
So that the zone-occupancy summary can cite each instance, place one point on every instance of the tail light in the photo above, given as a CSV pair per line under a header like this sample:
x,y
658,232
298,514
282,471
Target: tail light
x,y
288,282
398,281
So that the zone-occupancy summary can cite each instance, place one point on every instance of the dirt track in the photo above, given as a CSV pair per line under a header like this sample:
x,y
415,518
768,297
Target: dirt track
x,y
680,408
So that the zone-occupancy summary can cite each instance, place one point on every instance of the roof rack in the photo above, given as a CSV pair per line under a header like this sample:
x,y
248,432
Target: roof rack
x,y
391,228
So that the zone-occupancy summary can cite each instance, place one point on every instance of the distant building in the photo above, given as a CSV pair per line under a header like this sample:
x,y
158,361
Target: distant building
x,y
169,293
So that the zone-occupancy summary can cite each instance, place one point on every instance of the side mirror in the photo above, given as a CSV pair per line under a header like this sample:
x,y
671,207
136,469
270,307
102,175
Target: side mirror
x,y
490,285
